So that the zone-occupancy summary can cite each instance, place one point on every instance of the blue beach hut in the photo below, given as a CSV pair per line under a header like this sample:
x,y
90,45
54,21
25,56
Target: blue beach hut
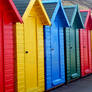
x,y
54,44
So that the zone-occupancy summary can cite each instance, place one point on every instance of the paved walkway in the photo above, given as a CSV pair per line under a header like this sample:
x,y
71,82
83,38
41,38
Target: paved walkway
x,y
82,85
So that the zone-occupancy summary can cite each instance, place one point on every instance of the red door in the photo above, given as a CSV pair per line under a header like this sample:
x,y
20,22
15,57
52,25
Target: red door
x,y
85,49
1,55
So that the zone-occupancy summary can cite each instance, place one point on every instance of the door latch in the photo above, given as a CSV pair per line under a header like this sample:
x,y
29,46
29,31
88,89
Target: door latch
x,y
52,49
84,46
70,47
26,51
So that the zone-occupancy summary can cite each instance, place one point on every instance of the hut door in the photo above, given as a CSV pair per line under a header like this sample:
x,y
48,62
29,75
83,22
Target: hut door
x,y
31,60
73,53
85,44
1,54
57,60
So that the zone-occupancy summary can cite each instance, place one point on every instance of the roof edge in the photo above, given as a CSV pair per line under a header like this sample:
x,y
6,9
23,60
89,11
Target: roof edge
x,y
55,12
80,16
77,11
16,11
88,15
45,13
29,7
59,4
65,15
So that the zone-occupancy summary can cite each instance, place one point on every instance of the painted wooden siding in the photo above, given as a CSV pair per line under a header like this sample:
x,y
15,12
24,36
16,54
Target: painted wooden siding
x,y
8,36
68,59
20,57
54,55
91,46
47,39
40,39
89,51
35,54
30,54
1,56
78,52
85,47
7,55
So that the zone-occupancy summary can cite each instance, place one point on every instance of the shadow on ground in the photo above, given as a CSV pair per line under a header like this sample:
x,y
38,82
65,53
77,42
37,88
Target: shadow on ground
x,y
82,85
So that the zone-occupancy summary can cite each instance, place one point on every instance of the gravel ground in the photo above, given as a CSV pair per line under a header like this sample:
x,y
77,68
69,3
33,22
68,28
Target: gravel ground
x,y
82,85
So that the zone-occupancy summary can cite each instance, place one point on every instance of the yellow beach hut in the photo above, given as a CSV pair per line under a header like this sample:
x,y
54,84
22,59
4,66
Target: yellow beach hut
x,y
30,46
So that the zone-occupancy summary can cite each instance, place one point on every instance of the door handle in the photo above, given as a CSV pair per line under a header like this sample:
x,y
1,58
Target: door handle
x,y
84,46
52,49
26,52
70,47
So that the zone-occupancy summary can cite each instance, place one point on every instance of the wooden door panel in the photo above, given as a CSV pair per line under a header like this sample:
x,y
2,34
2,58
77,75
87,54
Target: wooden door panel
x,y
55,52
72,47
31,54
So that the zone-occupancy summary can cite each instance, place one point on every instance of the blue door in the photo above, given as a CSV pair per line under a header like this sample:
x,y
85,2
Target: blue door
x,y
54,55
57,53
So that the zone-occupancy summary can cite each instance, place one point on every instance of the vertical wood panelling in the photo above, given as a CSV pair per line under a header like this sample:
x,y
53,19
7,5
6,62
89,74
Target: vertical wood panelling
x,y
40,44
8,56
1,55
20,57
72,53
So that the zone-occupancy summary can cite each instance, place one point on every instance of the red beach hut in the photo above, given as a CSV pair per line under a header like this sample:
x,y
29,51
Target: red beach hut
x,y
8,17
85,43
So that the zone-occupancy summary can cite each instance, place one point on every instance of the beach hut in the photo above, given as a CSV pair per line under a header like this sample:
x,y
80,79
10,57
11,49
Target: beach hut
x,y
85,43
30,46
72,42
54,44
8,18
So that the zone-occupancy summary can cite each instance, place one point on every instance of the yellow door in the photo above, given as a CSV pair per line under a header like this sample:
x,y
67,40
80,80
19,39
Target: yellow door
x,y
31,60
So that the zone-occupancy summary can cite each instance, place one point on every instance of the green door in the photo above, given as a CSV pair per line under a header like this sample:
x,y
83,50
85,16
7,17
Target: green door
x,y
72,54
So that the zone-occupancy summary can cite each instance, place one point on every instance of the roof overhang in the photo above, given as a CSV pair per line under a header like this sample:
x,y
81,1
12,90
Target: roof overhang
x,y
58,6
45,18
6,5
19,19
88,19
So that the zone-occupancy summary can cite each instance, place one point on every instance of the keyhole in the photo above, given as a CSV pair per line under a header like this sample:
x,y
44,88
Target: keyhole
x,y
84,46
26,51
70,47
52,49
